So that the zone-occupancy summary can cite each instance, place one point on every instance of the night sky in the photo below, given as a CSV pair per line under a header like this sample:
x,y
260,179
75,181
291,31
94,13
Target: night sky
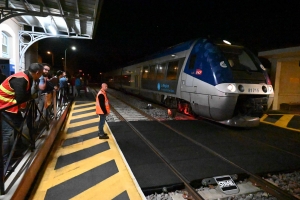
x,y
131,29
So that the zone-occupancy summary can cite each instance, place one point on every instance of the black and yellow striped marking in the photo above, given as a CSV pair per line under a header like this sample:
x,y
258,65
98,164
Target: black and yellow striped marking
x,y
288,121
84,167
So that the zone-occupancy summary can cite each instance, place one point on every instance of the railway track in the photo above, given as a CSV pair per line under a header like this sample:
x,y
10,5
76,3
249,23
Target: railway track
x,y
127,113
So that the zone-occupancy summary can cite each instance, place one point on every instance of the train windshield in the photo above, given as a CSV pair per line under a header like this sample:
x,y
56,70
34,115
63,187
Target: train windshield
x,y
239,58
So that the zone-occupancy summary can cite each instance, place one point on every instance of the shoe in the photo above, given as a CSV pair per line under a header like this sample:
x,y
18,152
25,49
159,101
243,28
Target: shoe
x,y
104,134
103,137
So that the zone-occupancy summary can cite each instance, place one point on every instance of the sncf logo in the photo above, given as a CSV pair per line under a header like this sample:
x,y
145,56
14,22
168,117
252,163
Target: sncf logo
x,y
198,71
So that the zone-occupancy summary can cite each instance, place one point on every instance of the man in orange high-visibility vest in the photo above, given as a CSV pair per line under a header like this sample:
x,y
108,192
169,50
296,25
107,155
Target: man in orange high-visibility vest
x,y
102,109
16,89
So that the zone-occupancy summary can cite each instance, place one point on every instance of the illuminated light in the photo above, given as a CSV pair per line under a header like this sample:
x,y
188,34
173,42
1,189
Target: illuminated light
x,y
52,30
226,42
173,55
231,87
262,67
146,71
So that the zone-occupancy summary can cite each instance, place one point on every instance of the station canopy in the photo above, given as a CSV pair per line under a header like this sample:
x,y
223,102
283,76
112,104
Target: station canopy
x,y
68,18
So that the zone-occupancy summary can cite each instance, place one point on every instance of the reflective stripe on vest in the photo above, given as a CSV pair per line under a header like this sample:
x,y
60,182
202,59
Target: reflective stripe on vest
x,y
98,108
7,93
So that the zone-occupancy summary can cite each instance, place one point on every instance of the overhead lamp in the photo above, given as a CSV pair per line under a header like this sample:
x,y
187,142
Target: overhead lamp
x,y
226,42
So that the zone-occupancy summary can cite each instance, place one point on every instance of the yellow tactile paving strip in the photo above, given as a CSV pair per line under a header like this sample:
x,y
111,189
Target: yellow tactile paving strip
x,y
287,121
120,182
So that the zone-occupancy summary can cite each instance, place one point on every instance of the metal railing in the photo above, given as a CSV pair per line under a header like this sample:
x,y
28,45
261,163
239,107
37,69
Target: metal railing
x,y
35,122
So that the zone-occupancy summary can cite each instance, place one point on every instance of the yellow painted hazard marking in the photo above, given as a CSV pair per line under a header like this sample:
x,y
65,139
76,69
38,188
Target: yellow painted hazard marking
x,y
282,122
122,181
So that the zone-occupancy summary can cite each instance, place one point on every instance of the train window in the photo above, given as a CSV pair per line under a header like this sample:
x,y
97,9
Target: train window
x,y
247,61
239,58
160,71
192,61
172,70
145,72
151,74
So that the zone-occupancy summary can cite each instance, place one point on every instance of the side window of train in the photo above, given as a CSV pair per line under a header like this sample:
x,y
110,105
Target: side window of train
x,y
172,70
160,71
151,74
145,72
192,61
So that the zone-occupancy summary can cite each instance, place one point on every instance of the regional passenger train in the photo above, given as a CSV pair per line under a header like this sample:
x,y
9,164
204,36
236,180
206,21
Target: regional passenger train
x,y
216,80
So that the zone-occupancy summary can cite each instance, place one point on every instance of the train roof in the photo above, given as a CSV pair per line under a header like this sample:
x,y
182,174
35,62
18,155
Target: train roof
x,y
169,51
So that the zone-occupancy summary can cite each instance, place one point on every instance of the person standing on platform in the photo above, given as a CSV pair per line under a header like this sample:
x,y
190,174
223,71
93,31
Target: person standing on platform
x,y
78,85
102,109
44,87
74,90
14,90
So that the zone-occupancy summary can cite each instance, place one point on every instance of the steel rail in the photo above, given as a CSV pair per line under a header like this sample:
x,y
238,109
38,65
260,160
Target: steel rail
x,y
190,193
255,179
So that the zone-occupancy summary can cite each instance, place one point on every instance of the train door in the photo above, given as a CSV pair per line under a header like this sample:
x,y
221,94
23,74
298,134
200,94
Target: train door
x,y
194,88
187,81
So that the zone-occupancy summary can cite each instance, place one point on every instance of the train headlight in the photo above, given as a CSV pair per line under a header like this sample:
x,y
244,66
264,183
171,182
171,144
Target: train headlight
x,y
241,88
264,88
231,87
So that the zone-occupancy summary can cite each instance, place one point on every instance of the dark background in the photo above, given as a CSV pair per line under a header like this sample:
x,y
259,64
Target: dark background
x,y
131,29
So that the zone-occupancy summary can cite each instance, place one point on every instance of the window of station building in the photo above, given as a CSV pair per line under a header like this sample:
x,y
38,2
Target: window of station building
x,y
160,71
172,70
192,61
5,45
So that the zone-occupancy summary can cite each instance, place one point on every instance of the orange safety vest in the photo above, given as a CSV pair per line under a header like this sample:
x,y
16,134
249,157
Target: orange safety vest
x,y
7,94
98,108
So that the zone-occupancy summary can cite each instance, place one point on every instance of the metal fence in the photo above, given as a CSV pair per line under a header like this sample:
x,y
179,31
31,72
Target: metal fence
x,y
34,121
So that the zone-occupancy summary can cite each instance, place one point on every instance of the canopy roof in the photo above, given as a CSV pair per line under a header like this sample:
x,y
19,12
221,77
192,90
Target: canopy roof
x,y
70,18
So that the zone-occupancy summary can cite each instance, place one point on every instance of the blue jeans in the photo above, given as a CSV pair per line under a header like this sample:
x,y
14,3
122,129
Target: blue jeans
x,y
101,124
7,130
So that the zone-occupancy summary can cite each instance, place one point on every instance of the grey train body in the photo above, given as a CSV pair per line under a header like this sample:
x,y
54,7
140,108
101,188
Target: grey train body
x,y
221,82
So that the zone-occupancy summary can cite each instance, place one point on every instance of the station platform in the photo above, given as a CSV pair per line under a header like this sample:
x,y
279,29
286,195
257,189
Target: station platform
x,y
81,166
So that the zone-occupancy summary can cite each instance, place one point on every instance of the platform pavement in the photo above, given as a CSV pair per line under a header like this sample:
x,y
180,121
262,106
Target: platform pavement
x,y
81,166
289,119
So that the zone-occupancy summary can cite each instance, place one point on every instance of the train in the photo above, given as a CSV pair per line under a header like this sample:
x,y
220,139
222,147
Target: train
x,y
213,79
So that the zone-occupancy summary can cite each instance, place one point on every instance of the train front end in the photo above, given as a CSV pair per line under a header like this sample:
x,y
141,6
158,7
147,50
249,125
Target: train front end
x,y
226,83
248,88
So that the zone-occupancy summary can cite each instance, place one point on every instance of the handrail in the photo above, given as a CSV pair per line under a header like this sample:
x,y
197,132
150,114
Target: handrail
x,y
32,128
